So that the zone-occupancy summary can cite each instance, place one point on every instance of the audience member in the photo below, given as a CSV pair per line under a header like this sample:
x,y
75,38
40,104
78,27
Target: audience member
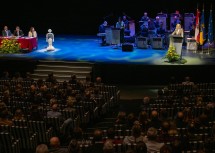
x,y
151,141
74,147
187,81
19,115
136,135
55,146
108,147
42,148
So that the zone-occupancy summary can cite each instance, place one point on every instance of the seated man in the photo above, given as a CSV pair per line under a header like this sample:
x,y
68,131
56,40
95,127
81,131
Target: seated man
x,y
18,32
6,32
102,30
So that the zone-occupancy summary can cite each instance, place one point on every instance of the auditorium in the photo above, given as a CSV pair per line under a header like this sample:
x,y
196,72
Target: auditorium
x,y
107,76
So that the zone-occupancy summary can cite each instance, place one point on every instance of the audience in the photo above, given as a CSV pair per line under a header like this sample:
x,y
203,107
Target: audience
x,y
55,146
42,148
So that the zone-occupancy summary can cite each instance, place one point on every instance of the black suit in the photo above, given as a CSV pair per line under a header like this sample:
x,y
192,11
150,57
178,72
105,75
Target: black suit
x,y
15,33
5,34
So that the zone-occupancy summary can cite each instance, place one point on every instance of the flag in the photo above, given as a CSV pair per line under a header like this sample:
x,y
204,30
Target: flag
x,y
210,28
197,26
202,28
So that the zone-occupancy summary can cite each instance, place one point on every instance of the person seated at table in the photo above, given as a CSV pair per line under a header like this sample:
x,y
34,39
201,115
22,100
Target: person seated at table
x,y
18,32
102,30
6,32
32,32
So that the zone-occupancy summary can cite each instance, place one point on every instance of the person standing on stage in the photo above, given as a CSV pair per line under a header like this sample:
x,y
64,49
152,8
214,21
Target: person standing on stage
x,y
18,32
121,25
6,32
126,22
102,30
178,30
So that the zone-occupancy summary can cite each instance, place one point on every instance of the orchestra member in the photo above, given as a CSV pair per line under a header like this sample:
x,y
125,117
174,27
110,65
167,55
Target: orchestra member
x,y
102,30
126,22
18,32
175,22
157,22
121,25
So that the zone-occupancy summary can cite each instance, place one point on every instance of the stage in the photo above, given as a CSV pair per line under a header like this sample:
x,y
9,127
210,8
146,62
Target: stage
x,y
140,65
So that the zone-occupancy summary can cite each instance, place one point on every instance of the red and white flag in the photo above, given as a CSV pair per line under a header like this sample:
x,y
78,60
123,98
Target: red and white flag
x,y
197,35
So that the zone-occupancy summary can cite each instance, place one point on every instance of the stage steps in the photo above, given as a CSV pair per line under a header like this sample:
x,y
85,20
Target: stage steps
x,y
62,70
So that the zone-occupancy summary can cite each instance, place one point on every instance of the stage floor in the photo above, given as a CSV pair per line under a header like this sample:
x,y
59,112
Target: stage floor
x,y
88,49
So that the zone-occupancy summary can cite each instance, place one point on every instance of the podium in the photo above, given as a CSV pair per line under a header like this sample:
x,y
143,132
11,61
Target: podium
x,y
177,42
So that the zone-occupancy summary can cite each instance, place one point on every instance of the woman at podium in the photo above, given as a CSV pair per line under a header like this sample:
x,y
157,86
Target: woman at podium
x,y
178,31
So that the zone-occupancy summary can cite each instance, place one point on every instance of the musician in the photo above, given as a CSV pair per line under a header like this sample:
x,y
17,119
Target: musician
x,y
144,30
126,22
144,19
121,25
175,22
161,31
102,30
157,22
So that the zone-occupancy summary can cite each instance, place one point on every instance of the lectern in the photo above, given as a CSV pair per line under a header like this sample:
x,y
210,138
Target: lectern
x,y
177,42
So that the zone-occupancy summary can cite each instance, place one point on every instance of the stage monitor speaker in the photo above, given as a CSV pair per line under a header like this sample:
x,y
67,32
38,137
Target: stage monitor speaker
x,y
127,47
191,44
157,43
142,42
188,21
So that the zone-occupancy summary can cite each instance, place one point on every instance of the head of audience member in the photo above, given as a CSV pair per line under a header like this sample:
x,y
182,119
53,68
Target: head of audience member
x,y
130,119
141,147
97,135
42,148
70,101
121,117
19,115
136,130
73,146
54,142
146,100
165,127
154,114
111,133
143,117
98,80
180,115
152,134
108,147
166,149
54,107
78,133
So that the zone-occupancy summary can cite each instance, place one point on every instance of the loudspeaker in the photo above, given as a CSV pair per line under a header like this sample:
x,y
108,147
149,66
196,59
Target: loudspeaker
x,y
142,42
157,43
127,47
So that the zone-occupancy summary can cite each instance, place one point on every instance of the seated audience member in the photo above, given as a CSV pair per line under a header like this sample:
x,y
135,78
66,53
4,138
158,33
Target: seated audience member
x,y
18,32
102,30
32,32
6,32
17,77
42,148
98,144
55,146
74,147
54,112
108,147
155,121
187,81
51,78
5,118
151,141
19,115
136,135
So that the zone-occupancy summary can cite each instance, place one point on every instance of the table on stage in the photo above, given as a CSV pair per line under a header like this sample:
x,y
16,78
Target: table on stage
x,y
27,43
